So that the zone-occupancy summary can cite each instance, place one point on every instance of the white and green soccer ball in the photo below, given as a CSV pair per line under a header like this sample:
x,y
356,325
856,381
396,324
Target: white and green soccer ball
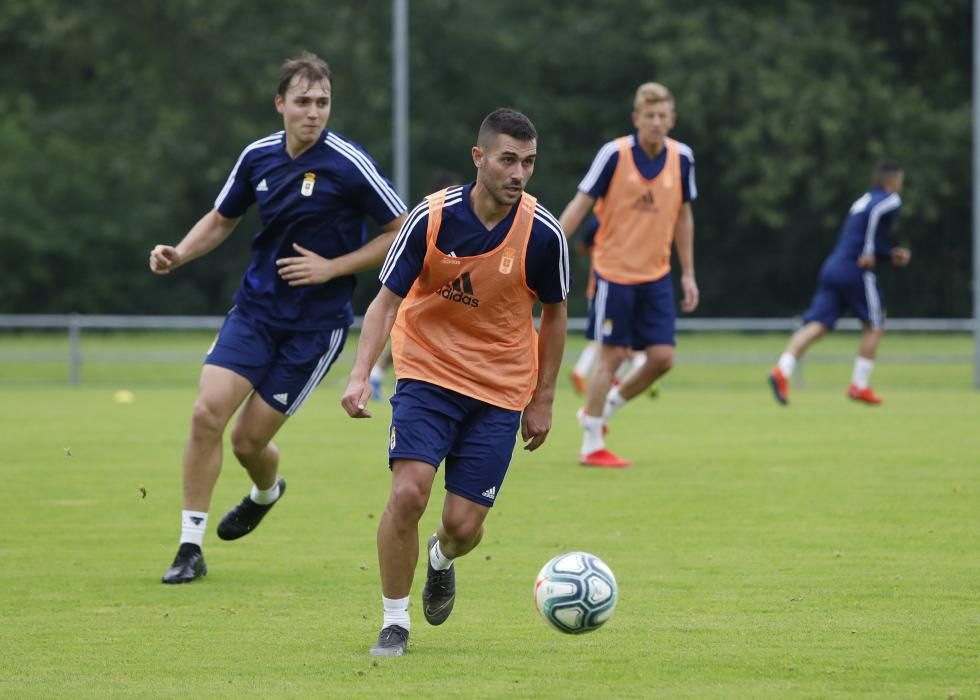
x,y
576,592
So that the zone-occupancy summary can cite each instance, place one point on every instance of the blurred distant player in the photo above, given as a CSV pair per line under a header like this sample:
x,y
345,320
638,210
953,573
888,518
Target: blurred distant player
x,y
584,240
645,182
460,285
847,280
314,190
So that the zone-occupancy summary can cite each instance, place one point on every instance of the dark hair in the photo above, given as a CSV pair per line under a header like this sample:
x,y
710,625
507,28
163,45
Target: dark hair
x,y
308,66
884,170
506,121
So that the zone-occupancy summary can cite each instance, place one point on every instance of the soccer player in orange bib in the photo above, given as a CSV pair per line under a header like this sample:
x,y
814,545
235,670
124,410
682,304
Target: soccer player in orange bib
x,y
459,286
645,185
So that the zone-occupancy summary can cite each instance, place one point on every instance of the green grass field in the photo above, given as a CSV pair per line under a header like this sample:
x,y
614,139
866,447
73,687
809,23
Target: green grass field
x,y
825,550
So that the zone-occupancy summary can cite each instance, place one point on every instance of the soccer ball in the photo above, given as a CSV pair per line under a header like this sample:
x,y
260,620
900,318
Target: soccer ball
x,y
575,592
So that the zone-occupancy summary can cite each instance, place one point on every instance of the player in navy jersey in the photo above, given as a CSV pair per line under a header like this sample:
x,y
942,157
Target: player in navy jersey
x,y
641,185
847,280
314,189
459,287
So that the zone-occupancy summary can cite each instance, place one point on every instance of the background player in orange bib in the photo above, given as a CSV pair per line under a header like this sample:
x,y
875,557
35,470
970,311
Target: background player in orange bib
x,y
459,286
645,184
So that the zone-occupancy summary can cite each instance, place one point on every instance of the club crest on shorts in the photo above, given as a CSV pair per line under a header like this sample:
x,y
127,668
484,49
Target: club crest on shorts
x,y
507,261
309,180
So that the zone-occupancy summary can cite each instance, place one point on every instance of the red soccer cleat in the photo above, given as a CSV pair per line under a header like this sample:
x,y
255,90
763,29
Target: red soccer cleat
x,y
579,383
779,385
867,395
603,458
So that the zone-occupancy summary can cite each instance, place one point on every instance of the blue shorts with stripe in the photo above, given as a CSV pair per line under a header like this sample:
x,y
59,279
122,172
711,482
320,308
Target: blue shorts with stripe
x,y
849,288
476,439
633,315
284,366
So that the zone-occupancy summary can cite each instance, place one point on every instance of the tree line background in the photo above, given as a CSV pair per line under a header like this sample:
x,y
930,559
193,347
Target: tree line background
x,y
119,122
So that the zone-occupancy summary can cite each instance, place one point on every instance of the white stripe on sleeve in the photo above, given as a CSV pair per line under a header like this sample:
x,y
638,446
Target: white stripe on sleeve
x,y
370,173
271,140
888,204
601,158
546,218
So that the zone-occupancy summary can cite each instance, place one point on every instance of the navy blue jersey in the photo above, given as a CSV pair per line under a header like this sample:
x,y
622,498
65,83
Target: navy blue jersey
x,y
597,179
462,234
321,201
865,230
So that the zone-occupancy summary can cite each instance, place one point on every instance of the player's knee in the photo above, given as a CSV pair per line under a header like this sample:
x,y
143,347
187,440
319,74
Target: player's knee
x,y
463,531
244,445
408,499
205,421
659,361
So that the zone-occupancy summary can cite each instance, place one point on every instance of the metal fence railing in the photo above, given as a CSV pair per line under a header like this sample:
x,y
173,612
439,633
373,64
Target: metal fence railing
x,y
75,324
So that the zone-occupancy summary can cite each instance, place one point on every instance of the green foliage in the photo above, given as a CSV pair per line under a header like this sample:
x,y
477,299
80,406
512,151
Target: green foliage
x,y
119,123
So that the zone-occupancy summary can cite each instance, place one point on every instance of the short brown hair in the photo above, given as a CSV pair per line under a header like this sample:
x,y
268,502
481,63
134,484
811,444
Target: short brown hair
x,y
307,66
651,93
506,121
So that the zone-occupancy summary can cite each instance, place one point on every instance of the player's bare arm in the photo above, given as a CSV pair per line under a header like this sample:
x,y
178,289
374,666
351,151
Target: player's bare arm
x,y
684,242
536,419
206,235
309,268
378,320
575,212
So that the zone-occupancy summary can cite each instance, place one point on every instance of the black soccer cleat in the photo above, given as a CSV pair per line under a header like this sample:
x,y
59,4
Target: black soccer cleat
x,y
246,516
391,642
439,593
188,565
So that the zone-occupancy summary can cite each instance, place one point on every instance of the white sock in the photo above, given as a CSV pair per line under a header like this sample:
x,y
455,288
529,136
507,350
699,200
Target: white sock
x,y
396,612
786,364
377,374
265,496
592,439
439,561
585,360
614,402
862,372
193,523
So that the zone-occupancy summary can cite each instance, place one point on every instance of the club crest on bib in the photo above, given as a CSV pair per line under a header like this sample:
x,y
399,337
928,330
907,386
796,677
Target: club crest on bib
x,y
309,180
507,261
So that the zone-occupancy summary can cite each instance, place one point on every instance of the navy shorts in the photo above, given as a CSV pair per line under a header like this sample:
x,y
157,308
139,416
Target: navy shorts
x,y
476,439
837,292
284,366
633,315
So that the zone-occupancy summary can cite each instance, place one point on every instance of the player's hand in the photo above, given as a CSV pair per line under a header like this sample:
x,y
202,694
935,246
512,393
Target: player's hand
x,y
535,425
355,398
901,256
867,262
691,294
164,259
308,268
